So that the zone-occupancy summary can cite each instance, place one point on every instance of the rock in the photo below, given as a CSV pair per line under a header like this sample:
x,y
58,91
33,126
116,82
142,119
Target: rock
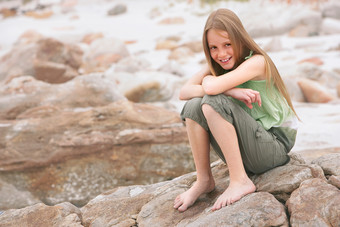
x,y
309,70
194,46
330,79
22,94
150,204
173,67
102,53
41,58
306,22
314,203
283,180
329,163
166,45
117,207
313,153
300,30
91,150
293,89
89,38
39,215
146,86
172,20
334,180
52,72
40,14
181,54
314,92
132,64
53,50
68,6
315,61
330,26
29,36
143,93
155,12
273,45
11,197
8,12
117,9
332,10
257,209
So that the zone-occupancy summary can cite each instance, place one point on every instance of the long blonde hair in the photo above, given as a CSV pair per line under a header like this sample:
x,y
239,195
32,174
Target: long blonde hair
x,y
242,44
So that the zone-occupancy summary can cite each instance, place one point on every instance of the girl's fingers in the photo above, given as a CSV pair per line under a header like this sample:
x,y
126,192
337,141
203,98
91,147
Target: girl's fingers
x,y
257,98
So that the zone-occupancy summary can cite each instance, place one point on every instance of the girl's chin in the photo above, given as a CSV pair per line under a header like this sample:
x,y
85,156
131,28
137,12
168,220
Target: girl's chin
x,y
227,67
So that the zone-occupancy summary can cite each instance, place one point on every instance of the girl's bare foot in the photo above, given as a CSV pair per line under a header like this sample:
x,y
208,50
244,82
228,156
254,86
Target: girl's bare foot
x,y
234,192
188,198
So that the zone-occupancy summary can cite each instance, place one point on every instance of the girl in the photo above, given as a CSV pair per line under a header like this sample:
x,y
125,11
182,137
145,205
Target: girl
x,y
238,103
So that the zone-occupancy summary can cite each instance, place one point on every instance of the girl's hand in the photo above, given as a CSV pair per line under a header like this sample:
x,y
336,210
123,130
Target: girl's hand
x,y
248,96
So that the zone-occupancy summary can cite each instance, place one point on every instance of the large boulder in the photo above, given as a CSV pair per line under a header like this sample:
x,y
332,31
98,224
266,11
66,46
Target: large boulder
x,y
75,155
306,22
331,9
314,92
283,180
47,59
61,215
154,204
24,95
315,203
330,164
102,53
146,86
11,197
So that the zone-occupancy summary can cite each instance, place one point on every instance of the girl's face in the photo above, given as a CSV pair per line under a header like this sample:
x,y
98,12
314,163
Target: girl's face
x,y
220,48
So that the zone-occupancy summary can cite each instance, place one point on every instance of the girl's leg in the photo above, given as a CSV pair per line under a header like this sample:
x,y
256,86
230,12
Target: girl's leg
x,y
200,146
225,135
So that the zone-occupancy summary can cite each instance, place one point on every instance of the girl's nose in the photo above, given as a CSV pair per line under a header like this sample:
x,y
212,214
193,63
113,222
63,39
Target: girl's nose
x,y
222,53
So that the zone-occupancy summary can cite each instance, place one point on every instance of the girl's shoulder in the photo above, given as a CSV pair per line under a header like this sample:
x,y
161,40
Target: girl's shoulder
x,y
258,58
256,63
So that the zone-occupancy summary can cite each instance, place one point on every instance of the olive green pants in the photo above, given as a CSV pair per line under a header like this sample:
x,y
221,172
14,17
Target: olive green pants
x,y
260,149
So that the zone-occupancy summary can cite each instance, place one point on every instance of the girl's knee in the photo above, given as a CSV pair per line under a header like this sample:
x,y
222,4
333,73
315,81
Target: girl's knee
x,y
194,103
193,110
216,103
208,110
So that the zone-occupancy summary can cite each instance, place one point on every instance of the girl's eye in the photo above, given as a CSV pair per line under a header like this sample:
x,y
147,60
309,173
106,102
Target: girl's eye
x,y
228,45
212,48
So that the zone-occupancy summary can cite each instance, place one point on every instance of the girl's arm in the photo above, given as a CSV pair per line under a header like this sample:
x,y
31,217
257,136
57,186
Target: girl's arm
x,y
193,87
253,68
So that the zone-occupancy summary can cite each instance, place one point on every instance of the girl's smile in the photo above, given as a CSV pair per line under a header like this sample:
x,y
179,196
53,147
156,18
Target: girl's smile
x,y
220,48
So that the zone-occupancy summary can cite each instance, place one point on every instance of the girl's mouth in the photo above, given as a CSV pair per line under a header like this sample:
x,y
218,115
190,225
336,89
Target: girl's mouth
x,y
225,60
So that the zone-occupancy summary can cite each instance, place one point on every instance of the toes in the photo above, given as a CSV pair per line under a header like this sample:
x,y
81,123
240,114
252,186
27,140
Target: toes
x,y
182,208
178,198
178,204
224,203
229,202
218,205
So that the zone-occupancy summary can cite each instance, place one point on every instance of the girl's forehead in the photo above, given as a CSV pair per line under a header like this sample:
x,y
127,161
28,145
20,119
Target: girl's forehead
x,y
217,33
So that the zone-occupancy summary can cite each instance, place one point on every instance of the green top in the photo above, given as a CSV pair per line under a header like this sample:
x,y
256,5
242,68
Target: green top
x,y
274,114
274,109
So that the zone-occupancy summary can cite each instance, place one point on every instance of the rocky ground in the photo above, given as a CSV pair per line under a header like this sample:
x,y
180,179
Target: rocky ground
x,y
90,133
